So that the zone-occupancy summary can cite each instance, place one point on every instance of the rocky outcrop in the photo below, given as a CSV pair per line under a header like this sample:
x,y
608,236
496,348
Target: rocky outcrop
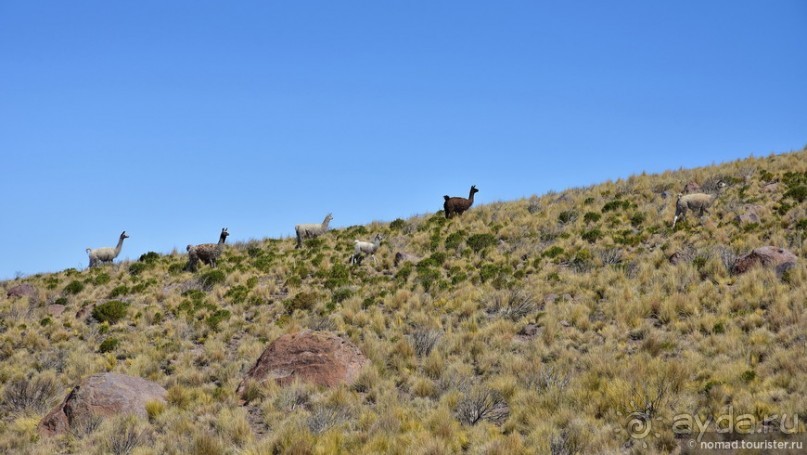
x,y
56,309
321,358
98,396
692,187
773,257
750,214
23,290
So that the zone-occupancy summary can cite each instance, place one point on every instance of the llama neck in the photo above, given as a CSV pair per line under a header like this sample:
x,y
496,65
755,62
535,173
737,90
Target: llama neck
x,y
325,224
119,246
222,239
471,195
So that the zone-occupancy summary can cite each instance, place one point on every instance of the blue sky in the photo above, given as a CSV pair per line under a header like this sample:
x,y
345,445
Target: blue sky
x,y
173,119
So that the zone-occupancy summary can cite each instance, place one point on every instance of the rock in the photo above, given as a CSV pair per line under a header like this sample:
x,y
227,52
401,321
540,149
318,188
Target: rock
x,y
98,396
771,187
684,255
692,187
666,194
530,330
321,358
401,257
773,257
676,258
55,310
84,312
23,290
751,214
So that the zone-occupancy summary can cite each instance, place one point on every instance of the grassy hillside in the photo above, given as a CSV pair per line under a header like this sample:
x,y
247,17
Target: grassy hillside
x,y
556,318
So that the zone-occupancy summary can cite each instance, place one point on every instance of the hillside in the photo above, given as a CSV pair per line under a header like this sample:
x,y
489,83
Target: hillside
x,y
557,318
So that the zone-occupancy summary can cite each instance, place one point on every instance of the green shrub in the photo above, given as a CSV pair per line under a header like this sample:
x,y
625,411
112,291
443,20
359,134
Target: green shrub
x,y
264,263
567,216
799,193
427,273
101,279
303,301
592,235
338,276
637,219
137,267
108,345
118,291
792,179
149,257
74,287
237,294
212,278
552,252
802,224
438,258
479,242
140,287
342,294
615,205
397,224
454,240
404,271
488,271
111,312
591,217
216,318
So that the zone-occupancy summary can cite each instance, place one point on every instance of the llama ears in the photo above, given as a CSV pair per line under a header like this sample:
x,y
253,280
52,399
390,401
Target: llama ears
x,y
124,234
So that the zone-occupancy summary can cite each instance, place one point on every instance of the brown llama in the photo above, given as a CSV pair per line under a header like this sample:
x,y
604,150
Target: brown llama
x,y
457,205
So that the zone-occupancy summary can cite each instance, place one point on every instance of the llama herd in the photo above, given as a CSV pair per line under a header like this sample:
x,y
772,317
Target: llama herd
x,y
208,253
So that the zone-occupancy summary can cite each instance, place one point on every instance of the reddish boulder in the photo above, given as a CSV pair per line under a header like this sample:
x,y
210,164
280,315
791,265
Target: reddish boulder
x,y
751,214
772,187
56,309
321,358
692,187
23,290
773,257
101,395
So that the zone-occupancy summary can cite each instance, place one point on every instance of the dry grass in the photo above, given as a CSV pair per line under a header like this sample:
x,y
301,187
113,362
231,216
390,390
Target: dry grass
x,y
616,328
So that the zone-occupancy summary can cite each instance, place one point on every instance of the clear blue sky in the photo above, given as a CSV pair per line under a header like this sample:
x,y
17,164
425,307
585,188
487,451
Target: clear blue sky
x,y
173,119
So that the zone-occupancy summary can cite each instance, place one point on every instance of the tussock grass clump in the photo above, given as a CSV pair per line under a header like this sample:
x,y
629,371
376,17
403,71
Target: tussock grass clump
x,y
30,393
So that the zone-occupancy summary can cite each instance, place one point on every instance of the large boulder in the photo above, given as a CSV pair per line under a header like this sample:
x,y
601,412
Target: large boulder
x,y
98,396
773,257
321,358
749,214
23,290
692,187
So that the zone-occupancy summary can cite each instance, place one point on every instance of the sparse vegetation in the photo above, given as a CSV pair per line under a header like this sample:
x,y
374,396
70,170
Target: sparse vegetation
x,y
519,327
